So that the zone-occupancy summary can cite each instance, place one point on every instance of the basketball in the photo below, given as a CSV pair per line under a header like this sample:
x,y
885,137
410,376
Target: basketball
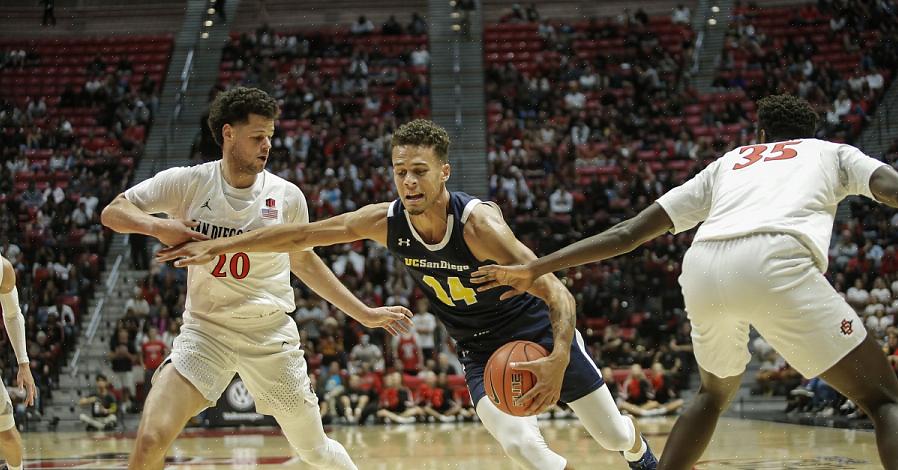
x,y
503,384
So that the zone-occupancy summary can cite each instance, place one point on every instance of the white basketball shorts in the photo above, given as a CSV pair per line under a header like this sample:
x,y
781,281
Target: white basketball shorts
x,y
768,281
266,353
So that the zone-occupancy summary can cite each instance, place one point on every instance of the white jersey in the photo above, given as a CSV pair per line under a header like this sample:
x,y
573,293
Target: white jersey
x,y
788,187
240,285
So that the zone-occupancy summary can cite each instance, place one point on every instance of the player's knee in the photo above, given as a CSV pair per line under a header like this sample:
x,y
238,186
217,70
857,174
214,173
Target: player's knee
x,y
619,438
515,448
882,410
150,442
522,446
716,401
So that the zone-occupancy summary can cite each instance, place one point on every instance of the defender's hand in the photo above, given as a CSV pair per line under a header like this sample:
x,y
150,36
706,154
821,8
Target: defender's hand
x,y
187,254
26,381
174,232
518,277
549,374
396,319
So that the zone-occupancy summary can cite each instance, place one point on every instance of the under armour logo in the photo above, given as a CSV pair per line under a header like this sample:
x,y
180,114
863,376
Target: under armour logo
x,y
847,328
405,242
206,205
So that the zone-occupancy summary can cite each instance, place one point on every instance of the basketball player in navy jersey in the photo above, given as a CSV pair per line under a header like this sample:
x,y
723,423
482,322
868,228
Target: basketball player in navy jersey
x,y
442,237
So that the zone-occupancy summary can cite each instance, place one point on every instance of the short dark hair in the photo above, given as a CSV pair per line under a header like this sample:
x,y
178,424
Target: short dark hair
x,y
786,117
102,377
423,133
234,107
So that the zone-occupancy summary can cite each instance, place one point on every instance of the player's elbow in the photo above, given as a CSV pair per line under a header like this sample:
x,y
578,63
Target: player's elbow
x,y
299,239
108,215
9,276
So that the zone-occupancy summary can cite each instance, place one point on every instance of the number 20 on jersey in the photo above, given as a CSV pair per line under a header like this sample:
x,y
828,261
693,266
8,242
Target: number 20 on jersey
x,y
238,267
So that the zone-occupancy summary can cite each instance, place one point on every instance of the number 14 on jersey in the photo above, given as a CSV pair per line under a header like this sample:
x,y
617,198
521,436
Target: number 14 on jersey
x,y
457,291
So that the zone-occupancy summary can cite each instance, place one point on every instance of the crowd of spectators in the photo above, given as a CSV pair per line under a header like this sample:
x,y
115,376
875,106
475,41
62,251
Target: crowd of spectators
x,y
837,54
64,154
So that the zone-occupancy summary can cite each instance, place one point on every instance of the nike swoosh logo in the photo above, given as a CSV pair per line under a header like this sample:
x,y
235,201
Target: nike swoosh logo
x,y
495,397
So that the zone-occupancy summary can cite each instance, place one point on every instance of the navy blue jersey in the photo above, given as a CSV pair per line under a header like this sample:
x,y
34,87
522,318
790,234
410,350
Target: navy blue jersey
x,y
478,321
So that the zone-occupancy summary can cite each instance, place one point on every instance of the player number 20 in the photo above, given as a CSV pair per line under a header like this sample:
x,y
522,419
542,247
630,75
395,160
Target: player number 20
x,y
239,266
456,289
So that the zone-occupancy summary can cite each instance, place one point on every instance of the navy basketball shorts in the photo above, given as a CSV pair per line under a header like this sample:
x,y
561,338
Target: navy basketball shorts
x,y
581,377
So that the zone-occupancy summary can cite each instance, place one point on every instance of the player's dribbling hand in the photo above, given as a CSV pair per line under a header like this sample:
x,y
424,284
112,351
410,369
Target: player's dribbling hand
x,y
518,277
549,374
395,319
26,381
188,254
173,232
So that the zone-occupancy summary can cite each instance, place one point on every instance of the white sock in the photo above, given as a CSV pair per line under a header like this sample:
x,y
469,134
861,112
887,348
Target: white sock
x,y
13,467
633,457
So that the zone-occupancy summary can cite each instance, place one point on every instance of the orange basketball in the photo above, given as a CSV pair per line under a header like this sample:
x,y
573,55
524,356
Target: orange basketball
x,y
502,384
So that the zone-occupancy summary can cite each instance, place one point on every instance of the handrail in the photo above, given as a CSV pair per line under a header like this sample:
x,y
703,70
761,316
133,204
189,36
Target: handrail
x,y
97,314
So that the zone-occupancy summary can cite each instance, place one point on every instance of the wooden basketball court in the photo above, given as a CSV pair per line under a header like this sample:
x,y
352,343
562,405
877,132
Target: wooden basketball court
x,y
738,444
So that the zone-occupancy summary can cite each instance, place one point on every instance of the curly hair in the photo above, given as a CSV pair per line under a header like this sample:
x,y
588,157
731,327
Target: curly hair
x,y
234,107
424,133
786,117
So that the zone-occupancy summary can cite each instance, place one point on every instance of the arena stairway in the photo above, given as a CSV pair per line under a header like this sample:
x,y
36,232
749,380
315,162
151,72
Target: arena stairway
x,y
457,94
712,39
192,73
880,133
76,379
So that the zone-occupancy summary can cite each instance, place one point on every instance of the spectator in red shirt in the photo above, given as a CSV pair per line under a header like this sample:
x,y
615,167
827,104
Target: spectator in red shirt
x,y
152,353
396,402
370,380
408,353
435,398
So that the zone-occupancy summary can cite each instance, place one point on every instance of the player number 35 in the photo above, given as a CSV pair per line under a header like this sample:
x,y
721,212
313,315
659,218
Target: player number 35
x,y
457,291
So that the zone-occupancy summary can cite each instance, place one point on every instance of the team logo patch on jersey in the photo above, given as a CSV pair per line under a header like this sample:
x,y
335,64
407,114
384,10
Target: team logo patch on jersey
x,y
405,242
847,327
269,211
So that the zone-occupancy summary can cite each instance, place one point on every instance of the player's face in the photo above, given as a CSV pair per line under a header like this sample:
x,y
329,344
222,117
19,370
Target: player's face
x,y
249,143
420,177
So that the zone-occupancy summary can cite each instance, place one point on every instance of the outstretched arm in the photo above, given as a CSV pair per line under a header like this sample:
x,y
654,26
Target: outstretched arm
x,y
312,271
369,222
622,238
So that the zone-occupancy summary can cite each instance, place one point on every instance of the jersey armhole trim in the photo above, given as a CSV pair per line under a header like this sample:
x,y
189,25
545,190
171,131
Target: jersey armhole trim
x,y
469,207
392,210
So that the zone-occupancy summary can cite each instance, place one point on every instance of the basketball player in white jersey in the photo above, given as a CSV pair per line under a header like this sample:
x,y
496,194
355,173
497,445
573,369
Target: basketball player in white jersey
x,y
758,259
234,319
10,441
